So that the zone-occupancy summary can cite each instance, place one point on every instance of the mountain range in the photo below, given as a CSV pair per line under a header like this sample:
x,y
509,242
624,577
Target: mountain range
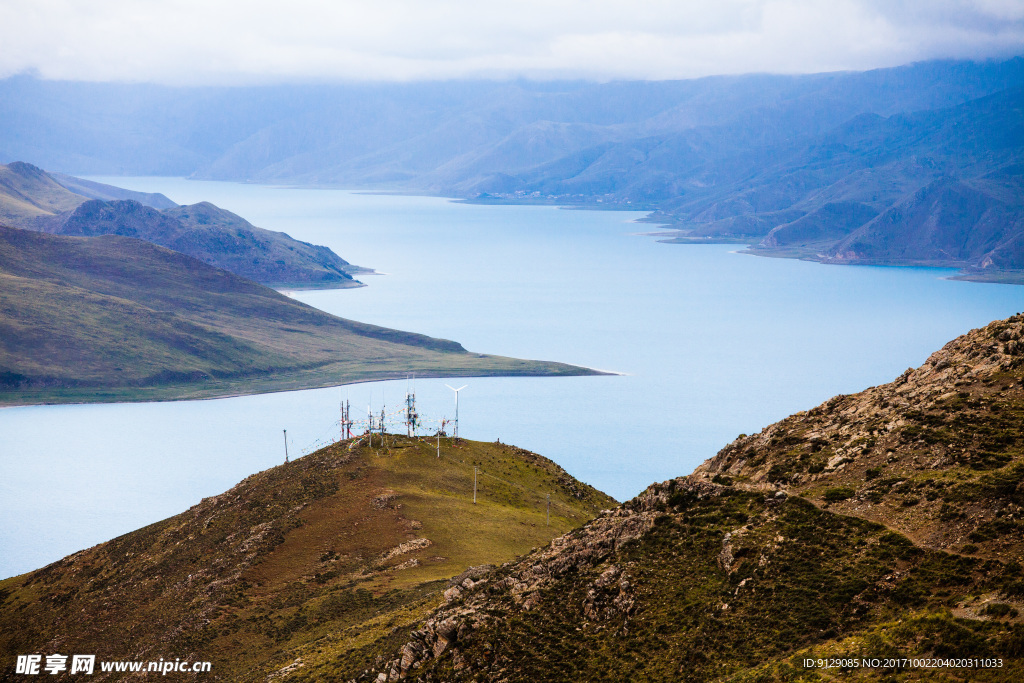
x,y
846,167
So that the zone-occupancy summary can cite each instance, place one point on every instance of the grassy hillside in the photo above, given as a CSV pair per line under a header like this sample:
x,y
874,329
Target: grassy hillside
x,y
29,196
226,240
886,524
27,192
114,318
344,546
59,204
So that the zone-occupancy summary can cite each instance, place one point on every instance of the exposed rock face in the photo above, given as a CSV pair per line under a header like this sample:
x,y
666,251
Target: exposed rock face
x,y
941,441
466,603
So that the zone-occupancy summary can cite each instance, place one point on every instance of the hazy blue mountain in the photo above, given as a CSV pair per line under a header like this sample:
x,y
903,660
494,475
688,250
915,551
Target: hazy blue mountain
x,y
94,190
792,164
437,134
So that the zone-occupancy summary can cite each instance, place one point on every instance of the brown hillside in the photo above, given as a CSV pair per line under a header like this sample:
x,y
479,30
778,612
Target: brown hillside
x,y
885,524
351,542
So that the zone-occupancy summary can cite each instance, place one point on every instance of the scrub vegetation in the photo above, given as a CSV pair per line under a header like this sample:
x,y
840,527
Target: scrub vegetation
x,y
347,546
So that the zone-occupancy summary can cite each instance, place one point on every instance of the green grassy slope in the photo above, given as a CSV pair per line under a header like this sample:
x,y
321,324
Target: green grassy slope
x,y
115,318
350,543
886,524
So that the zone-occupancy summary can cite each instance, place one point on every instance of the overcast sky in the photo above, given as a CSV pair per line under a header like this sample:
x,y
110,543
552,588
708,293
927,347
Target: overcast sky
x,y
225,42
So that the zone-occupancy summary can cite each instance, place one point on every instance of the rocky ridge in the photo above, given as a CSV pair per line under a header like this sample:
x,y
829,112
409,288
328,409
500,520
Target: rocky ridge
x,y
889,521
942,442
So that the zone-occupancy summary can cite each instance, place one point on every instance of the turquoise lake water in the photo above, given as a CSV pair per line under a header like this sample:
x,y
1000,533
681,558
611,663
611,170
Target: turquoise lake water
x,y
711,343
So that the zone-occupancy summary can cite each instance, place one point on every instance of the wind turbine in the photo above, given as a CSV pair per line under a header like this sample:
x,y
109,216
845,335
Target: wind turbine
x,y
457,406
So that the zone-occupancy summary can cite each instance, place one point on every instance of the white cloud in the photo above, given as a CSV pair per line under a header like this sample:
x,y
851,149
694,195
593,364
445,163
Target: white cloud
x,y
219,41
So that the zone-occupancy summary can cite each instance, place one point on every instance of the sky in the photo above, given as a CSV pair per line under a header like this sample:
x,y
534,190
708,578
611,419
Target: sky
x,y
197,42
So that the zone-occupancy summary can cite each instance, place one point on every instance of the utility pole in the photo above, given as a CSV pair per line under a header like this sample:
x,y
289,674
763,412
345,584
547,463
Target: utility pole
x,y
369,424
457,407
286,446
439,430
474,485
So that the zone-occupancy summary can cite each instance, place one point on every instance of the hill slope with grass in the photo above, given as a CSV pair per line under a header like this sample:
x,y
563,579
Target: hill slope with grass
x,y
33,199
884,525
334,550
115,318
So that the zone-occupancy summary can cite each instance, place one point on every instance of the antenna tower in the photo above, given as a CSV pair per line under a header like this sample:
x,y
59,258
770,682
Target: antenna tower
x,y
346,421
412,418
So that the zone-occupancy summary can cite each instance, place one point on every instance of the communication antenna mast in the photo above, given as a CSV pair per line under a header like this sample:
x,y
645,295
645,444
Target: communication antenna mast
x,y
412,418
346,425
457,407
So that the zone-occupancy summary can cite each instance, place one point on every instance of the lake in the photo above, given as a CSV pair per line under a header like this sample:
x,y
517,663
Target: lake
x,y
710,343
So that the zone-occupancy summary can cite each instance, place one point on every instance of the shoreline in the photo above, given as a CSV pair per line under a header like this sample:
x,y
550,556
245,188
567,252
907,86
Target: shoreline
x,y
208,391
963,274
670,235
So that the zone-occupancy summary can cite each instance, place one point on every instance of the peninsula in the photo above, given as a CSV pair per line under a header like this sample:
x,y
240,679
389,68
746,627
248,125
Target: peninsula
x,y
113,318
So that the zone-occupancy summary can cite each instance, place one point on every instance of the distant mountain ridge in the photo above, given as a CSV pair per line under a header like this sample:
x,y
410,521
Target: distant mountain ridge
x,y
94,190
723,158
33,199
938,188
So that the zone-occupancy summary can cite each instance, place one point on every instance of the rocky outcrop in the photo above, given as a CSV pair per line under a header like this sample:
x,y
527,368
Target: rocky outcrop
x,y
940,443
468,600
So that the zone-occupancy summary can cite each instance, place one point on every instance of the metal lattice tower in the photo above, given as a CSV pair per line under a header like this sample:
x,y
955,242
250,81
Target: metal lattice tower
x,y
412,418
